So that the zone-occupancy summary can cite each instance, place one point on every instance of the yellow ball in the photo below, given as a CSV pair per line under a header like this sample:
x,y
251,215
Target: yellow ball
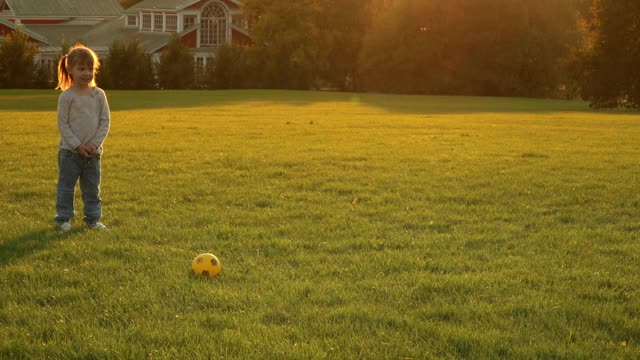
x,y
206,264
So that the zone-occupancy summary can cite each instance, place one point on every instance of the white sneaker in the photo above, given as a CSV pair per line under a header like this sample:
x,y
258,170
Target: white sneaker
x,y
65,226
97,226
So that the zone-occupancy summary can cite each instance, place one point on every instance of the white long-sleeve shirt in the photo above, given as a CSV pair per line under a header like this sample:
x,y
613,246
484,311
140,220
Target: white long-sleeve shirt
x,y
83,118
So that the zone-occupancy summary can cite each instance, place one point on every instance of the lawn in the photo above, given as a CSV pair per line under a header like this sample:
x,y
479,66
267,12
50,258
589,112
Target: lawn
x,y
349,226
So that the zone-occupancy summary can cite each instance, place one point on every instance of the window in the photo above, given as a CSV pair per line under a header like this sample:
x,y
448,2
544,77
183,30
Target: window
x,y
146,21
240,21
132,20
199,65
48,65
213,25
171,23
158,22
189,20
44,64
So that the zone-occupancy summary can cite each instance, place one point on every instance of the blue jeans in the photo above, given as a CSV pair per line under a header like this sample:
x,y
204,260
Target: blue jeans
x,y
73,166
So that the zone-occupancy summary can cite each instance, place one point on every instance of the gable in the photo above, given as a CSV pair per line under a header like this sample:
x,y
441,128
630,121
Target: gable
x,y
231,4
176,5
7,27
4,6
173,5
66,8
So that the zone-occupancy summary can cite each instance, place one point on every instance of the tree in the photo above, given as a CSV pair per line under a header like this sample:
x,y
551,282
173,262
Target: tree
x,y
64,50
113,67
16,60
127,66
287,37
610,76
42,77
226,69
344,22
175,70
306,43
468,47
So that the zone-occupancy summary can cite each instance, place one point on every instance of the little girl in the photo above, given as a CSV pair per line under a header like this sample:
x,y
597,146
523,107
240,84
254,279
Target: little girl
x,y
83,122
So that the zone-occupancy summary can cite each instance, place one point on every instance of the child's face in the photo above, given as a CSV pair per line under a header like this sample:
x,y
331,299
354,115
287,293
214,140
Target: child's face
x,y
82,74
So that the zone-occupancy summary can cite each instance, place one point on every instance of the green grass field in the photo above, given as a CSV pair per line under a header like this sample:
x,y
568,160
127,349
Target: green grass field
x,y
349,226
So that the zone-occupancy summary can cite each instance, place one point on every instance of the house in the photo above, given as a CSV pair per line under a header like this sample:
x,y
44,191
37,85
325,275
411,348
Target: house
x,y
202,25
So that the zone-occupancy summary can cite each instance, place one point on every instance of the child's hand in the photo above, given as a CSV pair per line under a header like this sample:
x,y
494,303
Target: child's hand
x,y
91,147
84,150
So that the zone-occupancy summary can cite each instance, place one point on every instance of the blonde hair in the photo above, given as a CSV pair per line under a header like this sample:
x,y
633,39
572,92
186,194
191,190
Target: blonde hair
x,y
78,54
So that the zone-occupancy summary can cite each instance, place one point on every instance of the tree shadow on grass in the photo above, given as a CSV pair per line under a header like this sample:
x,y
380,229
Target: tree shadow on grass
x,y
22,246
392,103
124,100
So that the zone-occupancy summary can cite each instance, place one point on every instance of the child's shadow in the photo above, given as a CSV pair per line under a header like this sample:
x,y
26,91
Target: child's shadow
x,y
24,245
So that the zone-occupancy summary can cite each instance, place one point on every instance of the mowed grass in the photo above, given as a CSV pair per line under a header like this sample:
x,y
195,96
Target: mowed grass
x,y
349,226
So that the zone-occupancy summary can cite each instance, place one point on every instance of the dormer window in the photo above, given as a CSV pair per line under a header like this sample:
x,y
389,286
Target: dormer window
x,y
240,21
146,22
189,20
171,22
132,20
157,22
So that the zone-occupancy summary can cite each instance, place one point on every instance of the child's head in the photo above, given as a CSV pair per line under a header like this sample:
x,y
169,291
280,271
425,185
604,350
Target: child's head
x,y
79,56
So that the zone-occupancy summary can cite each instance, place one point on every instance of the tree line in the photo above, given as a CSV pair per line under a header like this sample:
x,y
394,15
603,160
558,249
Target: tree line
x,y
542,48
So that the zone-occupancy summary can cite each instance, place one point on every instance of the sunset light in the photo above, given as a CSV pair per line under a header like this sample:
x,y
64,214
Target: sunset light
x,y
305,179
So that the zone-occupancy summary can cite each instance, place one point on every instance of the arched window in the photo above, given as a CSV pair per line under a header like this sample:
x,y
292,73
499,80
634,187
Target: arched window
x,y
213,25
